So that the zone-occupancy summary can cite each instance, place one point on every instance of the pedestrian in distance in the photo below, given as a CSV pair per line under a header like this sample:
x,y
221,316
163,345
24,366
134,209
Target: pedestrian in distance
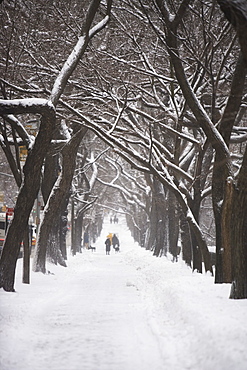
x,y
108,246
115,243
86,240
110,235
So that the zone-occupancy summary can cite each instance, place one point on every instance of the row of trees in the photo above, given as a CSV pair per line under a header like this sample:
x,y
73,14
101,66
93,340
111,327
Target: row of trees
x,y
149,108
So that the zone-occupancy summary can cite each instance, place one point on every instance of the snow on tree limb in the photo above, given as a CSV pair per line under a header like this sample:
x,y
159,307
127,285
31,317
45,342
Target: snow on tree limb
x,y
79,49
28,105
27,139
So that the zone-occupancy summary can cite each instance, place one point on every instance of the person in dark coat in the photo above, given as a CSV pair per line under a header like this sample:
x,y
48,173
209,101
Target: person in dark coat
x,y
86,240
115,242
108,246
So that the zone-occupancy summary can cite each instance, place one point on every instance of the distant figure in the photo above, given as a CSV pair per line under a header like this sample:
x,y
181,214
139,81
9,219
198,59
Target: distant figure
x,y
115,243
115,219
86,240
111,220
110,237
107,246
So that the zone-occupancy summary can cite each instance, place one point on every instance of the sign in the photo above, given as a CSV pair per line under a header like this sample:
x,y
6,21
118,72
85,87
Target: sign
x,y
10,211
1,197
23,153
31,128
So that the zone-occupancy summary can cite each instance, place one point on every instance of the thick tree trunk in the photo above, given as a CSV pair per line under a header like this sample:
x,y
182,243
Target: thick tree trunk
x,y
153,225
185,240
54,254
196,255
239,227
226,227
159,208
54,206
26,257
73,246
195,204
51,172
157,231
78,232
221,173
236,13
50,175
173,220
63,227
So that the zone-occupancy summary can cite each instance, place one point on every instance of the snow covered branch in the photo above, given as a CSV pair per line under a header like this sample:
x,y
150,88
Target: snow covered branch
x,y
79,49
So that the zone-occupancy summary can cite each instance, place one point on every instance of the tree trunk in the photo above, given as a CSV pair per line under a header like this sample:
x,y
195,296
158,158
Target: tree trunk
x,y
221,173
197,253
78,232
54,206
185,240
73,246
26,257
51,172
226,227
153,224
63,227
173,220
236,13
239,227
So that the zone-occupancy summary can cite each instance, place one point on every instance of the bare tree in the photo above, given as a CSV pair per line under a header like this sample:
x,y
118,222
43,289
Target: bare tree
x,y
34,162
236,201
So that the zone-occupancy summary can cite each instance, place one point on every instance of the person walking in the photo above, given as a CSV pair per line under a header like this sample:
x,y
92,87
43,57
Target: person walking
x,y
110,235
115,242
108,246
86,240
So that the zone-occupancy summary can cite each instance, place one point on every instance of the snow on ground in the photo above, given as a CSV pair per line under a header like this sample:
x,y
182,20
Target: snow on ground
x,y
125,311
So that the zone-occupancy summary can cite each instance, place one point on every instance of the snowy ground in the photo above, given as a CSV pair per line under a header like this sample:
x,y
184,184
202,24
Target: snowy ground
x,y
126,311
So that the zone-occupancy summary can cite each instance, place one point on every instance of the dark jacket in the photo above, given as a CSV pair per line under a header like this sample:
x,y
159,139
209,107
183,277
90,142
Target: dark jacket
x,y
115,241
108,244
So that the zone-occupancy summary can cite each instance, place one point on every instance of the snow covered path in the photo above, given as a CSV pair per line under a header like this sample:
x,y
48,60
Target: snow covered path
x,y
126,311
94,319
98,321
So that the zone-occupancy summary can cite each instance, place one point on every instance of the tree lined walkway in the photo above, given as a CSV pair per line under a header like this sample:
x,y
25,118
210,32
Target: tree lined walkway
x,y
94,320
124,311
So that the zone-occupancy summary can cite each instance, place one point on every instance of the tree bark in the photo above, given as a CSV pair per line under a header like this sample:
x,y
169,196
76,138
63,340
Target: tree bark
x,y
26,258
63,227
221,172
78,232
54,206
239,240
173,220
236,13
185,241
